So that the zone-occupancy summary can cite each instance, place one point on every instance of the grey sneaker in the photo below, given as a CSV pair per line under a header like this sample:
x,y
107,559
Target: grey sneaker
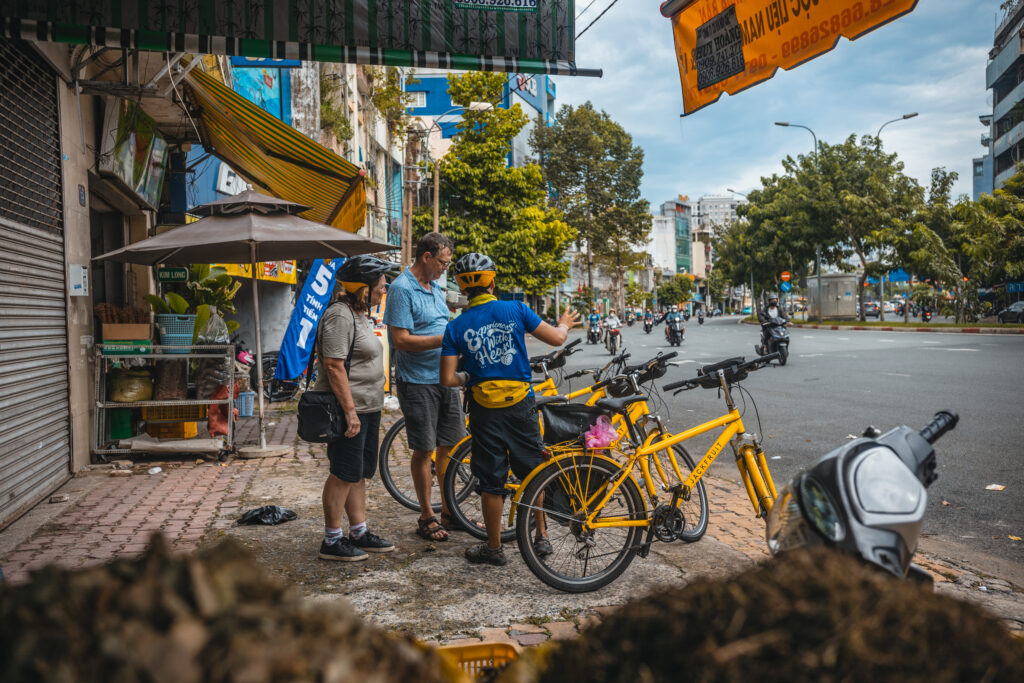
x,y
372,543
341,550
481,554
542,546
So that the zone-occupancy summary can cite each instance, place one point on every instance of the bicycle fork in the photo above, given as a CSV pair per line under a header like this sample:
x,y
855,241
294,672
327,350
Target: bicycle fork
x,y
753,467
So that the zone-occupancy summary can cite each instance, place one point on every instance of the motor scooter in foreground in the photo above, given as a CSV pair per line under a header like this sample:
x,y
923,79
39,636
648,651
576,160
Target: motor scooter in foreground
x,y
774,338
700,317
594,332
866,498
676,329
648,324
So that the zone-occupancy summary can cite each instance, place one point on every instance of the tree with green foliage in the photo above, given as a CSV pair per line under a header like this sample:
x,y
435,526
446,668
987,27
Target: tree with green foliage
x,y
594,171
492,207
637,295
675,291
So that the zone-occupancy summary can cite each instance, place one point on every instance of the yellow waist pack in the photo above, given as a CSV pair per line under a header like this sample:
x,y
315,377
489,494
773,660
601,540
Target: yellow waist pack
x,y
500,393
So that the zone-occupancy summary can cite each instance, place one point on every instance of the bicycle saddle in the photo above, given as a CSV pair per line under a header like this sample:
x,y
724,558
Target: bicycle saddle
x,y
545,400
619,405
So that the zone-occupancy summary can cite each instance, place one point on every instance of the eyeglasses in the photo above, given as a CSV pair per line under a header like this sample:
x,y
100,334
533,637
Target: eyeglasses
x,y
444,264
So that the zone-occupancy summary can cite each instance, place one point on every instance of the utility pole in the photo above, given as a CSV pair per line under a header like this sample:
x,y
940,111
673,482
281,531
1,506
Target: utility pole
x,y
407,202
437,194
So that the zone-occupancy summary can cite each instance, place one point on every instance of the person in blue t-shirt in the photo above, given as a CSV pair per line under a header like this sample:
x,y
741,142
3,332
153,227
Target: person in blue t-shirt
x,y
490,340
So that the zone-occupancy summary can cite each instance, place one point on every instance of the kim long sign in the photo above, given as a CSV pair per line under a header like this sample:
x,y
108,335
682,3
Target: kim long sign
x,y
731,45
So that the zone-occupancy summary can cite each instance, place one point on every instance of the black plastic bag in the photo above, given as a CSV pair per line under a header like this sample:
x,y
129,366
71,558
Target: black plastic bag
x,y
268,514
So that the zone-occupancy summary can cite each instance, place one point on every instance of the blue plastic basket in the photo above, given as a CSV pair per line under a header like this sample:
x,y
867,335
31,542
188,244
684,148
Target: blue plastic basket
x,y
245,402
169,323
184,340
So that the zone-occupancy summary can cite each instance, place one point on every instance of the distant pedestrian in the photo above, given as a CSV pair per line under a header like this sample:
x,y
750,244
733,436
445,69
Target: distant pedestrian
x,y
352,360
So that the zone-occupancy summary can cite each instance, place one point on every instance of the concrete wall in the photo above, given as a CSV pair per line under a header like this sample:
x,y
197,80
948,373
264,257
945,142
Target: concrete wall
x,y
305,82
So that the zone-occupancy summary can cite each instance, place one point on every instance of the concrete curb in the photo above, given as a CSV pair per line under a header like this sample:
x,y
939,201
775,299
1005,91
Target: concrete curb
x,y
865,328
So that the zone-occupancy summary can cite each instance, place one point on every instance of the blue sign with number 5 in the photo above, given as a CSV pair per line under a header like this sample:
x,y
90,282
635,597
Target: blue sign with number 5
x,y
298,338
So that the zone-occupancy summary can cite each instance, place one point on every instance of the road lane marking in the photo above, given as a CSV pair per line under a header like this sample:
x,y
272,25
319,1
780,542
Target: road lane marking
x,y
931,342
896,374
945,349
844,339
811,355
886,341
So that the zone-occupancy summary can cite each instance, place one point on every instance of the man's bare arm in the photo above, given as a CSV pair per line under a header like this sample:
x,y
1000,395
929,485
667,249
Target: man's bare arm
x,y
405,340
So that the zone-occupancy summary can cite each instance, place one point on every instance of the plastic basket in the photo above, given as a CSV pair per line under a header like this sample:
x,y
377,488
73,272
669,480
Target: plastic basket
x,y
476,658
245,402
173,430
169,323
184,340
177,413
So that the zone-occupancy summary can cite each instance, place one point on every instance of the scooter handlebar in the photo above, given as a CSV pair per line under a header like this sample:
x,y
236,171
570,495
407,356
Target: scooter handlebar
x,y
944,421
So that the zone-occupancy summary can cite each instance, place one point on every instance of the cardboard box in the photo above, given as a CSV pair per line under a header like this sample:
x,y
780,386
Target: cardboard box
x,y
119,331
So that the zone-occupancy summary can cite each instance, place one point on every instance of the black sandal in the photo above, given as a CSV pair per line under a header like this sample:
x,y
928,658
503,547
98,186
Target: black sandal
x,y
450,524
428,529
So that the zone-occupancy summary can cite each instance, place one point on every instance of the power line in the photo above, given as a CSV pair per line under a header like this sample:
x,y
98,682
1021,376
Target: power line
x,y
585,9
596,19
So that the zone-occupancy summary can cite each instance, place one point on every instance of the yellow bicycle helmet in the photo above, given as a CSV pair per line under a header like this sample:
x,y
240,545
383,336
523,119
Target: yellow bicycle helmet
x,y
475,270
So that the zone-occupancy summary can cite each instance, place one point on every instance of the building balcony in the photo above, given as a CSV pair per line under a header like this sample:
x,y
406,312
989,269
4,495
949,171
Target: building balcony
x,y
1008,139
1003,60
1001,179
1007,103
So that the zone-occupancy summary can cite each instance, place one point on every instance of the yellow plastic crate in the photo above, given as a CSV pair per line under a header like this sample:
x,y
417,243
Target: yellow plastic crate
x,y
475,658
173,430
174,413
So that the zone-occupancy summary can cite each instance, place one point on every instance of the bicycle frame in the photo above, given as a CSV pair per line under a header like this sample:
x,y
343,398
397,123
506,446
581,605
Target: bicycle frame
x,y
750,460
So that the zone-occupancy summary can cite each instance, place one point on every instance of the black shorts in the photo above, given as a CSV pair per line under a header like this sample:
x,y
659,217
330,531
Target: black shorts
x,y
355,458
504,438
433,415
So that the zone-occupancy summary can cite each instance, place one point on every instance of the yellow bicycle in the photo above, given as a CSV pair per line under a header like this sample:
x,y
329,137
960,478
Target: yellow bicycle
x,y
458,479
597,518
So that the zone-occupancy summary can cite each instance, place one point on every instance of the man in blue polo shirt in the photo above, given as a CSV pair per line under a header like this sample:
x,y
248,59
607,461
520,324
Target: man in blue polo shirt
x,y
416,315
490,339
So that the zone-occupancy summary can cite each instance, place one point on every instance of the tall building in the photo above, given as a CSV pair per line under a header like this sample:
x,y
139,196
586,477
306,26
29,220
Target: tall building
x,y
681,213
710,213
1004,76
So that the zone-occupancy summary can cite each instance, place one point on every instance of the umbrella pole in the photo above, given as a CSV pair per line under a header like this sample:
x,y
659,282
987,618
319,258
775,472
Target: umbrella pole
x,y
259,345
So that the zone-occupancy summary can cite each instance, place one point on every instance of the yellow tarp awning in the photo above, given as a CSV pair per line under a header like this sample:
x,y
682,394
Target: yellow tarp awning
x,y
277,158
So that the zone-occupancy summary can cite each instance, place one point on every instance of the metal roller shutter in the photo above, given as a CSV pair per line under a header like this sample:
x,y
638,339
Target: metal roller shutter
x,y
35,444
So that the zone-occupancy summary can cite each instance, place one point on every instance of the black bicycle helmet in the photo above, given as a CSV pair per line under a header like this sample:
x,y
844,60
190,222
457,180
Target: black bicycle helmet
x,y
475,270
362,271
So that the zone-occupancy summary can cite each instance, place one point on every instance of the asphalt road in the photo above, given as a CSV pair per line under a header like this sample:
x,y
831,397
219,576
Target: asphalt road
x,y
839,382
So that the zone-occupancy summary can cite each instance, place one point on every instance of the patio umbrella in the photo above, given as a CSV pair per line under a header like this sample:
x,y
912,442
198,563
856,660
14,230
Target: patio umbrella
x,y
247,228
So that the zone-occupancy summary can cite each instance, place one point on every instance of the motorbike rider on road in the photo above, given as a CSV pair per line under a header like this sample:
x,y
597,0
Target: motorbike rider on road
x,y
765,316
593,321
673,314
611,321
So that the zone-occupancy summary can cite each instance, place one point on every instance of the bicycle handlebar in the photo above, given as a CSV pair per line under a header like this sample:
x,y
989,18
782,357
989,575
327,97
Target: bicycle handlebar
x,y
700,380
944,421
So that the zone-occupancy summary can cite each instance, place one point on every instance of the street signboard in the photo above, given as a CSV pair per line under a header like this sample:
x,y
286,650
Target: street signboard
x,y
785,276
172,274
785,286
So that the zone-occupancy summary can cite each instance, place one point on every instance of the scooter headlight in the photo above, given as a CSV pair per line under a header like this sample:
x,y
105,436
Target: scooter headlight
x,y
885,485
786,527
821,510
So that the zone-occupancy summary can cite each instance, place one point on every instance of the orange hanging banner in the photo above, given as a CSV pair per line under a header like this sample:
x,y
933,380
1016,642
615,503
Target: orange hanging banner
x,y
730,45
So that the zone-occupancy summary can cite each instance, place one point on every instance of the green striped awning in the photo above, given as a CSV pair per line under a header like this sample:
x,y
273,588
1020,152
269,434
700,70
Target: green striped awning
x,y
524,36
277,158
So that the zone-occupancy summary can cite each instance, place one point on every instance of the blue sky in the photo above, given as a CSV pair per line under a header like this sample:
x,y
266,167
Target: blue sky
x,y
931,61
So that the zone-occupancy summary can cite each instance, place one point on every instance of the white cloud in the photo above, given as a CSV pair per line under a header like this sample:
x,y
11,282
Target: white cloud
x,y
931,61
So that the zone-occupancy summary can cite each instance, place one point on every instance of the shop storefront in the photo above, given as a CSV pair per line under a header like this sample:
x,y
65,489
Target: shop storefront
x,y
35,430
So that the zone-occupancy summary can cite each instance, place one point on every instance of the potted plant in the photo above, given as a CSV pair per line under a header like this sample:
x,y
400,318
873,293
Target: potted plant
x,y
181,316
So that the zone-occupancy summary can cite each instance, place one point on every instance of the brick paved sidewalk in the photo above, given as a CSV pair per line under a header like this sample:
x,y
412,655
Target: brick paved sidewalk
x,y
112,513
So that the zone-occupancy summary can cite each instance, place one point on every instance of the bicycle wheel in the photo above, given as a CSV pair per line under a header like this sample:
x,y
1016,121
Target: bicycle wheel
x,y
464,501
580,560
394,461
274,390
669,473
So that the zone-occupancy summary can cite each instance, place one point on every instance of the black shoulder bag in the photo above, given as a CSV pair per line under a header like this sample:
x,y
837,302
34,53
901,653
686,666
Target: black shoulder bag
x,y
319,413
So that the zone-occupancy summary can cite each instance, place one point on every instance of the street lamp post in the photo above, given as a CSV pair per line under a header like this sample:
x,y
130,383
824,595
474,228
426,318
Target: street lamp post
x,y
817,247
744,195
902,118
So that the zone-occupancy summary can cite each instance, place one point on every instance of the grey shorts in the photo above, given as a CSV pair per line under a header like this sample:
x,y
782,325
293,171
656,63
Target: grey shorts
x,y
433,415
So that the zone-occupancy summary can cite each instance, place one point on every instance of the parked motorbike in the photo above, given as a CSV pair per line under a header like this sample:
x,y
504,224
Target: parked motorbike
x,y
613,340
594,333
866,498
676,329
774,338
648,324
926,315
